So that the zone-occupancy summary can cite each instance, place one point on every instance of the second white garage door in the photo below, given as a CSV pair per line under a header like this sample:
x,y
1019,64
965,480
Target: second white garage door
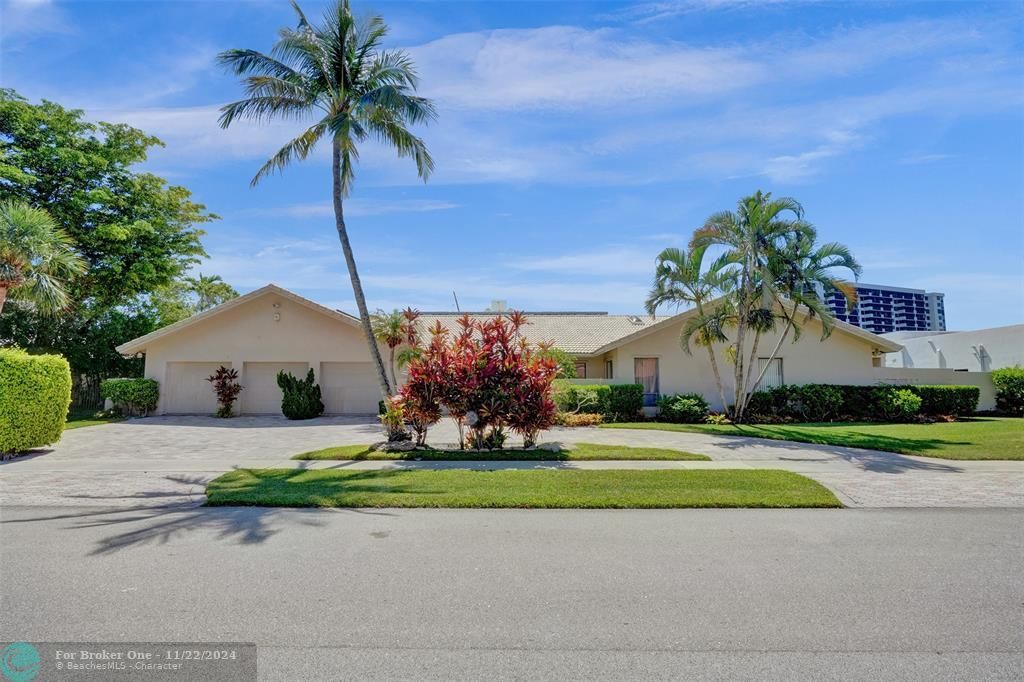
x,y
261,394
349,387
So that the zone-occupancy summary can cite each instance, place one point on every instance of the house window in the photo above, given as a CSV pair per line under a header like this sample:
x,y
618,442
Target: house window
x,y
646,372
581,370
608,374
772,377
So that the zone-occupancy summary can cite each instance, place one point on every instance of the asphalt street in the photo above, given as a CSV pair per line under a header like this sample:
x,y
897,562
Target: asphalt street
x,y
533,594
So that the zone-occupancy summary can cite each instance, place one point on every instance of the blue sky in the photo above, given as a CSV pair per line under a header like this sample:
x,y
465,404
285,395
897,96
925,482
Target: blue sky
x,y
576,140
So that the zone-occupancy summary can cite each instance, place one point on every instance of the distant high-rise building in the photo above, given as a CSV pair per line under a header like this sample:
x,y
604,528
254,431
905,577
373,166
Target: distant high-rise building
x,y
883,309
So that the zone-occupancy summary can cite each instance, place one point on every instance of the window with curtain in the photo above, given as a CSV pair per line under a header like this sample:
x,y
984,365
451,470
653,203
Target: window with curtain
x,y
772,376
645,370
581,370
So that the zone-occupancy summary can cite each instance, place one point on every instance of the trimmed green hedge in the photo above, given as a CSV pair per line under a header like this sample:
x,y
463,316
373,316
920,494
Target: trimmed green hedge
x,y
826,402
621,402
683,408
35,393
1009,383
300,398
132,396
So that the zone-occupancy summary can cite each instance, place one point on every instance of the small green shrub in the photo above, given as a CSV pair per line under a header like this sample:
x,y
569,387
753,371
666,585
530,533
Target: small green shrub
x,y
300,398
131,396
683,408
1009,383
35,393
815,402
582,419
392,418
901,405
580,398
956,401
625,401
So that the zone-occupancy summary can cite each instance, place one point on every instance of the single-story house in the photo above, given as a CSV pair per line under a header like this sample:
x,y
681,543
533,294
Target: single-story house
x,y
272,329
978,350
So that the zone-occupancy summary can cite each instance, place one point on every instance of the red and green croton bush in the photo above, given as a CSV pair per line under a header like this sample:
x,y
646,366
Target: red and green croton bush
x,y
486,375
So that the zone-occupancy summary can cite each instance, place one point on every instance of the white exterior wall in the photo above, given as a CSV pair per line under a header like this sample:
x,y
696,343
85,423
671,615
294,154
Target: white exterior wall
x,y
249,333
982,350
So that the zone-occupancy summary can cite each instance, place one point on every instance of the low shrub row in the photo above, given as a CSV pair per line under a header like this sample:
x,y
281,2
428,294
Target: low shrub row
x,y
131,396
827,402
614,402
35,392
683,408
1009,383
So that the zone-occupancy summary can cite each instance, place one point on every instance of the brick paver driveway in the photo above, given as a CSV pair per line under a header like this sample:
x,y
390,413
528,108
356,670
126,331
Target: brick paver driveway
x,y
169,460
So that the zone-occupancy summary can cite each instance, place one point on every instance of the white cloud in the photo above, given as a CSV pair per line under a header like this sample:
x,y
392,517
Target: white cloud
x,y
22,20
612,260
357,207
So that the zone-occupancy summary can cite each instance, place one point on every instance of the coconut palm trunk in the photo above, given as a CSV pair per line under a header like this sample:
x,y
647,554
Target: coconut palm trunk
x,y
353,273
3,298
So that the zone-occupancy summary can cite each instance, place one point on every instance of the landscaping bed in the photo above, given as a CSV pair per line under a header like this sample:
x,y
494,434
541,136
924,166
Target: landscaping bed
x,y
565,489
1000,438
579,451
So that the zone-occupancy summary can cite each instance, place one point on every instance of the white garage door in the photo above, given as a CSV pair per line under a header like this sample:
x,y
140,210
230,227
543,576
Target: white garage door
x,y
186,390
261,394
349,387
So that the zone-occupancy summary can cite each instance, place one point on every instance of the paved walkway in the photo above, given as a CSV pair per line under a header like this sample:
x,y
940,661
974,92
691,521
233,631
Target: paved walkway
x,y
168,460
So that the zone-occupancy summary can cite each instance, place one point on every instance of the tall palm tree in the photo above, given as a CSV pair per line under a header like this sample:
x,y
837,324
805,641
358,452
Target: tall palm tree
x,y
36,258
210,290
679,281
336,74
389,329
754,236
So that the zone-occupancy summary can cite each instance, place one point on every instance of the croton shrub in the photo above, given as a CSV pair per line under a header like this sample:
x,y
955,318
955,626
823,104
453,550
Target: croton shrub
x,y
486,375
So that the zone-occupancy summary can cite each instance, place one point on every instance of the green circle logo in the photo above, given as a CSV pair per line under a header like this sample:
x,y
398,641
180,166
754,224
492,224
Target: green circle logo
x,y
19,662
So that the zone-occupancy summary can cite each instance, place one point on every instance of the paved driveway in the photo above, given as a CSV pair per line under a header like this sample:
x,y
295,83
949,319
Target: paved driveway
x,y
169,460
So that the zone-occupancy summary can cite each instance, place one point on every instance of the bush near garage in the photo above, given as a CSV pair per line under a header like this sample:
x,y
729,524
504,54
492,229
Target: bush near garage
x,y
131,396
1009,383
300,398
35,393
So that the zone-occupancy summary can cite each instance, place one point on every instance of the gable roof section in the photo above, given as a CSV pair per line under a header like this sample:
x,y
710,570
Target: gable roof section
x,y
576,333
883,344
139,345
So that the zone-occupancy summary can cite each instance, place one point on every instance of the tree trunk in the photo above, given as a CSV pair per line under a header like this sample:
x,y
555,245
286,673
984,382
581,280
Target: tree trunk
x,y
714,366
391,364
357,286
3,297
741,404
785,333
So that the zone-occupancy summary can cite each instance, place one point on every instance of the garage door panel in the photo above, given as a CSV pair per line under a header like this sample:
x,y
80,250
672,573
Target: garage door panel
x,y
349,387
260,392
186,390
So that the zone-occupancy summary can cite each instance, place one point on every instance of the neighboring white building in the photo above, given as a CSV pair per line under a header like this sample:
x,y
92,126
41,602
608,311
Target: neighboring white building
x,y
982,350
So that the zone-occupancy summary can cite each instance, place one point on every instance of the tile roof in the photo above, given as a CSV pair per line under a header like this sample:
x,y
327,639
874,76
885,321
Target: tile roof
x,y
579,333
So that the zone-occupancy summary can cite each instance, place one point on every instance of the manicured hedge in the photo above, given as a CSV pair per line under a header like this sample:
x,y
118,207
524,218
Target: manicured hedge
x,y
826,402
621,402
953,400
1009,383
592,398
132,396
625,401
300,398
35,393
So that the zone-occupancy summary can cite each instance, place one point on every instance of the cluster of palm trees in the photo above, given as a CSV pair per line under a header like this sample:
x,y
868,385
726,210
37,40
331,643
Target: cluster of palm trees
x,y
769,271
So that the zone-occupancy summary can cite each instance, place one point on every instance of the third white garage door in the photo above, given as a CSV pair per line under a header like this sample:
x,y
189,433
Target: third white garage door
x,y
261,394
349,387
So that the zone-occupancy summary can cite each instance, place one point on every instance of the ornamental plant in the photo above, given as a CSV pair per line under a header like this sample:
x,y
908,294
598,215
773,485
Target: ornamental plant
x,y
487,376
35,392
300,398
226,386
131,396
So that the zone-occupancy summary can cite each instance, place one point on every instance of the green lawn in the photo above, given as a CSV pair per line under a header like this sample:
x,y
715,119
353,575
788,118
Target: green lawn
x,y
570,489
80,418
979,438
577,452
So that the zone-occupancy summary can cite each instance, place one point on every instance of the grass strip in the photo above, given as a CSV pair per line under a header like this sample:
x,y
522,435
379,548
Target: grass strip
x,y
555,489
579,451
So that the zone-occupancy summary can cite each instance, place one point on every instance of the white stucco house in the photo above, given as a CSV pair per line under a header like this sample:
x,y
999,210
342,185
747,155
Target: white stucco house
x,y
273,329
